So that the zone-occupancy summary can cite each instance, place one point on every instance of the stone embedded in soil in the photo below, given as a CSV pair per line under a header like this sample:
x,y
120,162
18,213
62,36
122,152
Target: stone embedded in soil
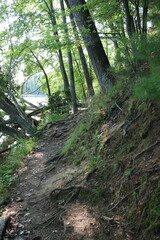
x,y
3,222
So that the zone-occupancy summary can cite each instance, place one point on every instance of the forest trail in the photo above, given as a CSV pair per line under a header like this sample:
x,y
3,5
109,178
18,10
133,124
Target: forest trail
x,y
36,215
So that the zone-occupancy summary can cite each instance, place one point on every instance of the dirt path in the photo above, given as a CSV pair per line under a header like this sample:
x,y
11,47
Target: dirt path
x,y
35,215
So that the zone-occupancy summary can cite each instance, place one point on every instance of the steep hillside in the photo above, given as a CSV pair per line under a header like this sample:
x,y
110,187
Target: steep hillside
x,y
94,176
121,145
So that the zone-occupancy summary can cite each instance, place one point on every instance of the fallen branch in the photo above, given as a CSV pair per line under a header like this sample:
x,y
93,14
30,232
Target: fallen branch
x,y
35,112
78,187
118,107
29,103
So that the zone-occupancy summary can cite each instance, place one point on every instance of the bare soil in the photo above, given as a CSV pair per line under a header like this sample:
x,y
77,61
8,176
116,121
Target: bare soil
x,y
48,205
36,214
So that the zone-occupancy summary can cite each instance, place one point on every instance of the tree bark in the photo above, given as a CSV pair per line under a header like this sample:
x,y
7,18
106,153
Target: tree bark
x,y
64,74
93,43
51,14
145,13
11,131
72,82
129,19
138,17
70,62
44,72
16,117
88,78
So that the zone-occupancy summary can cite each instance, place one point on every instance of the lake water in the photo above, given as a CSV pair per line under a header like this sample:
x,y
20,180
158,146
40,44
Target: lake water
x,y
37,100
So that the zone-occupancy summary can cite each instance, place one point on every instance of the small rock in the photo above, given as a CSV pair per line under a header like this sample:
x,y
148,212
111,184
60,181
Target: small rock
x,y
21,226
27,220
28,194
26,214
24,232
21,232
18,199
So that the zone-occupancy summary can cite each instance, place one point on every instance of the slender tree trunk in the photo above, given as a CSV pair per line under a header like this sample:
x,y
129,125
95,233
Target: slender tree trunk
x,y
86,71
72,82
51,14
145,14
88,78
44,72
82,84
64,74
93,43
129,19
138,17
70,62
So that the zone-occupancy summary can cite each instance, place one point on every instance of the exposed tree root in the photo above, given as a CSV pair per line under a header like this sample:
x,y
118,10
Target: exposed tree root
x,y
78,187
55,158
124,198
125,130
89,175
147,149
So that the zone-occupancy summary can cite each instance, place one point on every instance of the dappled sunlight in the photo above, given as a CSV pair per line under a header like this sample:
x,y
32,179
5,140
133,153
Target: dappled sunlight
x,y
80,220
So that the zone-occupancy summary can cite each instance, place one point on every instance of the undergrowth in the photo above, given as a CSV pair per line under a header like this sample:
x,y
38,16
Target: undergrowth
x,y
49,116
11,163
114,159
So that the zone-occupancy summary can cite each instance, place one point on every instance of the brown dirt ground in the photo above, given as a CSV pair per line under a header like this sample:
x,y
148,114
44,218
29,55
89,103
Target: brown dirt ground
x,y
35,214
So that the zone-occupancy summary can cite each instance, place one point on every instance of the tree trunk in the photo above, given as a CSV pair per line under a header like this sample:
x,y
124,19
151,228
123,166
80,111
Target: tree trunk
x,y
81,77
64,74
72,82
11,131
145,13
44,72
138,17
88,78
70,62
51,14
129,19
21,119
93,43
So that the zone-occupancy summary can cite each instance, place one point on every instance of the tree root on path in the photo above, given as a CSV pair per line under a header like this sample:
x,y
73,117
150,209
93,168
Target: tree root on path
x,y
57,157
78,187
